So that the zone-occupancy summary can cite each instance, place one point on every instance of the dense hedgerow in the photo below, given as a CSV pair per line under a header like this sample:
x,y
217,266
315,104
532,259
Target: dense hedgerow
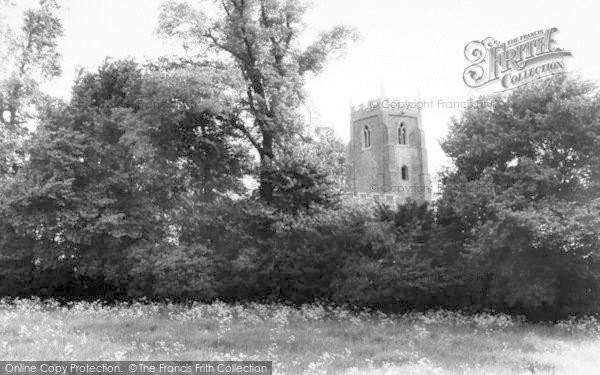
x,y
359,256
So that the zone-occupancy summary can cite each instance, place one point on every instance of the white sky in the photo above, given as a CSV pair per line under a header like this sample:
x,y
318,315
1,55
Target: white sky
x,y
414,49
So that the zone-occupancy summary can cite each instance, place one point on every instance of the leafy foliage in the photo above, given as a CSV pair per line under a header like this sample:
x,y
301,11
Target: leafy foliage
x,y
523,195
100,178
29,56
260,39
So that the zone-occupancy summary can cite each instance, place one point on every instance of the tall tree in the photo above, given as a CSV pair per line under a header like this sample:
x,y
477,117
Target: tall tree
x,y
109,170
524,194
29,56
261,41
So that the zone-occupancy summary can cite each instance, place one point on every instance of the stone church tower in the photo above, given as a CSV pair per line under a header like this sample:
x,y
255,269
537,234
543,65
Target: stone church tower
x,y
386,156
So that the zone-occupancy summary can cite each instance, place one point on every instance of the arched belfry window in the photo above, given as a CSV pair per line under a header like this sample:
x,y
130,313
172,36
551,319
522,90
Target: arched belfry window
x,y
402,134
366,137
405,172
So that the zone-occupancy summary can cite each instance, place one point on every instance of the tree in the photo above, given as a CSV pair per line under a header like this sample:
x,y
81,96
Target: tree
x,y
260,39
109,171
522,197
309,174
543,261
538,142
191,123
29,56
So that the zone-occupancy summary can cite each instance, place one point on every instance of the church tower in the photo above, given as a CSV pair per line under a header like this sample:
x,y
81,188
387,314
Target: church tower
x,y
387,158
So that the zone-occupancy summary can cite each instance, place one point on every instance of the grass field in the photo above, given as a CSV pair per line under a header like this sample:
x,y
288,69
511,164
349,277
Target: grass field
x,y
310,340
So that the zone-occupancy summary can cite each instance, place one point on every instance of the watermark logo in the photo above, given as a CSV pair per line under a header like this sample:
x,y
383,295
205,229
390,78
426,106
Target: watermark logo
x,y
418,105
516,62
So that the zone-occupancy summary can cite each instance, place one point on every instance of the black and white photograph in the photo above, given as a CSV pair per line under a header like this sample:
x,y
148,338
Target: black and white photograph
x,y
299,187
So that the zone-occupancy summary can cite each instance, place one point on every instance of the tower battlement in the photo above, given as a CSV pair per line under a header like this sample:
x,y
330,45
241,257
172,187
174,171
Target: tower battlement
x,y
395,106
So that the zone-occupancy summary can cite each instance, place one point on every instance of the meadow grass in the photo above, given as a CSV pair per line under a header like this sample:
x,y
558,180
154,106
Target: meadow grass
x,y
313,339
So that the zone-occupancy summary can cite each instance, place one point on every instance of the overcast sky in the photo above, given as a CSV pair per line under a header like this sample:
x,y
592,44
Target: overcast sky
x,y
413,49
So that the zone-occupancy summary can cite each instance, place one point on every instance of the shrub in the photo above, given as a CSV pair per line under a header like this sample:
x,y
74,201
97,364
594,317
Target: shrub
x,y
166,270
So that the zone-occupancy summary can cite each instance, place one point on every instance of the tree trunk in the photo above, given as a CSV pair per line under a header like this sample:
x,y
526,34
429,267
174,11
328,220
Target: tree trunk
x,y
266,167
